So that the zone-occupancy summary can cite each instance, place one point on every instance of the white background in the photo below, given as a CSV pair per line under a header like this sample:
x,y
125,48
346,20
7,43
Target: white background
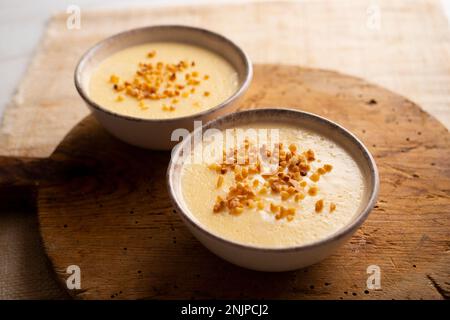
x,y
22,23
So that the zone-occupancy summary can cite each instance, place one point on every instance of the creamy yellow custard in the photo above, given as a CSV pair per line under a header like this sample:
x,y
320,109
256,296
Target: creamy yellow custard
x,y
162,80
316,189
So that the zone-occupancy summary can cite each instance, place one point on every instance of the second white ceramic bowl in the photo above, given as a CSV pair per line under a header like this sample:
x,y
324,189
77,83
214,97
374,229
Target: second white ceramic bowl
x,y
277,259
156,133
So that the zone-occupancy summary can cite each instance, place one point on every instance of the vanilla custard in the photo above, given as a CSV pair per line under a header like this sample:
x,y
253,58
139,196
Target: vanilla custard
x,y
315,189
162,80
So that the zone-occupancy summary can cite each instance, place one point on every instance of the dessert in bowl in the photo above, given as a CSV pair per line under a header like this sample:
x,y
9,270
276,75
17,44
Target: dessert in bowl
x,y
143,84
164,80
273,189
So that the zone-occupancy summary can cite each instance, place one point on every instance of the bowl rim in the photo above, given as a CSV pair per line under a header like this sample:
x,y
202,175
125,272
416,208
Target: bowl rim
x,y
339,234
248,71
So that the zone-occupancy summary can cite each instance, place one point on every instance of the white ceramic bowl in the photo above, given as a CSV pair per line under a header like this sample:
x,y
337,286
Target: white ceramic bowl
x,y
156,133
277,259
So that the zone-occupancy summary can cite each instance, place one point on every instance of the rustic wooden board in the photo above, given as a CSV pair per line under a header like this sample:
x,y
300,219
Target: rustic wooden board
x,y
103,206
408,53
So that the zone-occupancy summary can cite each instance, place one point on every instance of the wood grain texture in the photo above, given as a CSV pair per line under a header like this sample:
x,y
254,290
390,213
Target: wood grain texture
x,y
408,51
106,208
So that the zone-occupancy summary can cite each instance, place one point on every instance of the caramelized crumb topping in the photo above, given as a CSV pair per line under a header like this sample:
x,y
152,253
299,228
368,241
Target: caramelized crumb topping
x,y
332,207
159,81
219,181
313,191
287,182
319,205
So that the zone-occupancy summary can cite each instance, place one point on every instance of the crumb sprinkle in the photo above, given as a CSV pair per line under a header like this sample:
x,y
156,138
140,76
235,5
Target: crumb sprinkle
x,y
288,182
156,80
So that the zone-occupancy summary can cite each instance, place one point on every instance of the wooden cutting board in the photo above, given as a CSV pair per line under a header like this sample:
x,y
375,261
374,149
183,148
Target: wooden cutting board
x,y
103,206
406,51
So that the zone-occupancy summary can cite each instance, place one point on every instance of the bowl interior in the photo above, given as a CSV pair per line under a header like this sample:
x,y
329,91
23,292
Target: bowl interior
x,y
182,34
300,119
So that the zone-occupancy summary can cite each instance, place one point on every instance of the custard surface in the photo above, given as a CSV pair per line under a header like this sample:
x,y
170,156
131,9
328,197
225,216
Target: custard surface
x,y
343,186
